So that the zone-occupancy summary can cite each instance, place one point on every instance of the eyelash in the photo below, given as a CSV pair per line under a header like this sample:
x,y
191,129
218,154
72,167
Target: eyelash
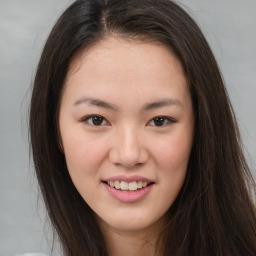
x,y
87,118
167,120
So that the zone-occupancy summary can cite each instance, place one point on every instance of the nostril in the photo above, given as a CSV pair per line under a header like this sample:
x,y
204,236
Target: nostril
x,y
128,153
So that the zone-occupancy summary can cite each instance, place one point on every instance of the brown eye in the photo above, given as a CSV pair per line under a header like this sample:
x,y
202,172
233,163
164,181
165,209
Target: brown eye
x,y
95,120
161,121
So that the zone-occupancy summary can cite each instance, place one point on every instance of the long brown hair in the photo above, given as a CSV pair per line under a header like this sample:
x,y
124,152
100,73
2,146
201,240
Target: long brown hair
x,y
214,213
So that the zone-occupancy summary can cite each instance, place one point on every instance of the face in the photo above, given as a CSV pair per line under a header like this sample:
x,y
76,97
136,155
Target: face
x,y
126,123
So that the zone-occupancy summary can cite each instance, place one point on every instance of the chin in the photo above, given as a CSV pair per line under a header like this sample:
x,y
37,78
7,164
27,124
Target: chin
x,y
129,223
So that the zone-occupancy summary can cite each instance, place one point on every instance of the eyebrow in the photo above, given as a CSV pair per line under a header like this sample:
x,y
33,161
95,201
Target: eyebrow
x,y
95,102
161,103
146,107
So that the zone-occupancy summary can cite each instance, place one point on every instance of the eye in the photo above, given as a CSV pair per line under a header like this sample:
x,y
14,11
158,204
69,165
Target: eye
x,y
95,120
161,121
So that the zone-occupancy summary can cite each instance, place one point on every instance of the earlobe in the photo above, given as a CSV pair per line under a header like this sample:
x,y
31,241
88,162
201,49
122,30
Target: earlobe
x,y
60,146
59,141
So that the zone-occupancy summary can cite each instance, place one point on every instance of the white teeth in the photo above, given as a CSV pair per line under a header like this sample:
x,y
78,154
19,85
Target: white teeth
x,y
133,185
117,184
129,186
139,184
124,185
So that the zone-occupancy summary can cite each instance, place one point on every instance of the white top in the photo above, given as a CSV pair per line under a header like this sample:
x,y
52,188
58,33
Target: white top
x,y
31,254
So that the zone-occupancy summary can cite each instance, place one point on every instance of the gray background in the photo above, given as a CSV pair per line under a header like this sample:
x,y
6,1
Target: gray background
x,y
230,27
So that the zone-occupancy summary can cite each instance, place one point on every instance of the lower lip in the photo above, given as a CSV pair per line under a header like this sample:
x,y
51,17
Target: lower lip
x,y
129,196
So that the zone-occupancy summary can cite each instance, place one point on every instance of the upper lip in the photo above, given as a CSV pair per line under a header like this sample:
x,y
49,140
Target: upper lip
x,y
128,178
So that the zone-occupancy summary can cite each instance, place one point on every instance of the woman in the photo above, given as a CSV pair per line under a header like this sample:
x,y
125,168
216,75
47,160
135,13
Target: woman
x,y
135,143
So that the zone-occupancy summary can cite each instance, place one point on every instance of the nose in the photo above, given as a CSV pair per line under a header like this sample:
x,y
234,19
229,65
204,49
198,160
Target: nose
x,y
128,148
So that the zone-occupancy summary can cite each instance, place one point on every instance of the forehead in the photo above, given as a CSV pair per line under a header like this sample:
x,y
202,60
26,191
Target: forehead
x,y
119,66
120,53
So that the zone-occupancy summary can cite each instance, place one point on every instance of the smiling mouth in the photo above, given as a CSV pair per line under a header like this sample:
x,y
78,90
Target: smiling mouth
x,y
128,186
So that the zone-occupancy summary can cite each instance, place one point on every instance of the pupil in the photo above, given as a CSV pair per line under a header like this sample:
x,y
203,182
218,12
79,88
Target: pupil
x,y
159,121
97,120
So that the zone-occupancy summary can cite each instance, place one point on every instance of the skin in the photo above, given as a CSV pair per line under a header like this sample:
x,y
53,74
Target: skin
x,y
129,77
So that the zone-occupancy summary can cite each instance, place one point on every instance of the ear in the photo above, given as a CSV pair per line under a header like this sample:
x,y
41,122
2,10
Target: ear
x,y
59,140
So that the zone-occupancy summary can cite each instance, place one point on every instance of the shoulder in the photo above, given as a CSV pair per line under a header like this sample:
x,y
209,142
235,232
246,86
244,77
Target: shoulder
x,y
31,254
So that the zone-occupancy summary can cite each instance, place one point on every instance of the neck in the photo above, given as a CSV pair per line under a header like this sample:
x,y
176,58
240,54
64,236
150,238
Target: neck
x,y
127,243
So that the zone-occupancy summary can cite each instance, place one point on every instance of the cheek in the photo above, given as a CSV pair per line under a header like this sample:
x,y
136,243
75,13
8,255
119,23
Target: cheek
x,y
84,154
173,152
84,157
171,157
